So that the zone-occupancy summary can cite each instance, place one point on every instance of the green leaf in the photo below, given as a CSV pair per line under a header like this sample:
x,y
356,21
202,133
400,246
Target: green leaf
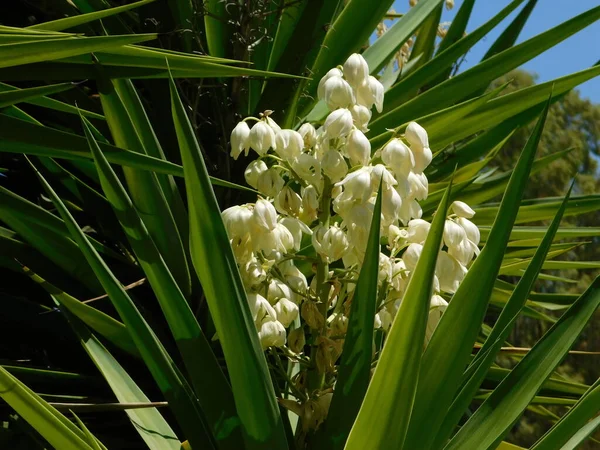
x,y
486,355
458,27
354,370
211,386
52,48
17,96
71,22
481,75
218,273
217,28
492,420
522,232
171,383
384,416
89,437
426,36
448,351
47,421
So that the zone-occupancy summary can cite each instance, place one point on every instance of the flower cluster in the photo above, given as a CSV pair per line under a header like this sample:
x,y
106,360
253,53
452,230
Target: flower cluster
x,y
318,188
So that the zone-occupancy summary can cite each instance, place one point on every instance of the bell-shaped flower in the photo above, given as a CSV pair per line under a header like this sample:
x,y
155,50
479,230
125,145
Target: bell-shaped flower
x,y
260,307
386,319
410,210
337,93
309,134
288,202
330,242
287,311
398,157
264,216
308,168
411,255
418,229
297,228
270,182
253,171
356,70
288,144
385,268
437,307
277,240
338,123
262,138
450,272
461,209
253,273
396,236
471,230
240,141
276,128
331,74
277,289
237,220
358,148
464,252
379,173
242,247
357,185
416,135
391,202
334,165
418,186
454,234
371,93
361,116
271,334
310,204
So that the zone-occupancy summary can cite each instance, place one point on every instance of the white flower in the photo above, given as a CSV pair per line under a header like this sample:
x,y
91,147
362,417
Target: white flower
x,y
418,229
337,93
310,204
262,138
461,209
276,128
242,247
309,135
471,230
410,210
395,236
371,94
237,220
358,148
411,255
419,144
296,228
253,171
287,311
308,168
464,252
386,319
449,272
264,215
330,243
385,268
357,185
398,156
269,183
356,70
271,334
334,165
288,144
277,289
338,123
277,240
437,307
332,73
288,202
418,185
361,116
253,272
454,234
239,140
391,202
260,308
380,173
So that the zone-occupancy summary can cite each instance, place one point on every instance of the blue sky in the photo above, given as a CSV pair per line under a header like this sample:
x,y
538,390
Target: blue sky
x,y
575,53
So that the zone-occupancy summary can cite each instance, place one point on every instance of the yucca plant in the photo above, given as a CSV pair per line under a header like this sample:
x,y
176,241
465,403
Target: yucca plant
x,y
342,304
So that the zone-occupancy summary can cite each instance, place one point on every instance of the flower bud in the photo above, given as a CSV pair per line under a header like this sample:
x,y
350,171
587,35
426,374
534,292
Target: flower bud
x,y
237,220
391,203
338,123
361,116
356,70
334,165
309,135
385,268
287,311
288,144
262,138
358,148
264,215
271,334
454,234
253,171
419,141
437,306
240,140
398,156
337,93
418,229
331,243
288,202
331,74
371,94
461,209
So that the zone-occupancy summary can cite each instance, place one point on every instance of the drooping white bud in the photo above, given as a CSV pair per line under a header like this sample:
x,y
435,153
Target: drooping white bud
x,y
338,123
309,134
371,94
260,307
419,144
464,252
411,255
391,203
287,311
330,243
264,215
331,74
337,93
308,168
253,171
310,204
277,289
461,209
449,272
418,229
237,220
356,70
380,173
454,234
418,185
398,156
334,165
410,210
358,148
271,334
288,202
385,268
361,116
288,144
262,138
437,307
269,183
240,140
471,230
